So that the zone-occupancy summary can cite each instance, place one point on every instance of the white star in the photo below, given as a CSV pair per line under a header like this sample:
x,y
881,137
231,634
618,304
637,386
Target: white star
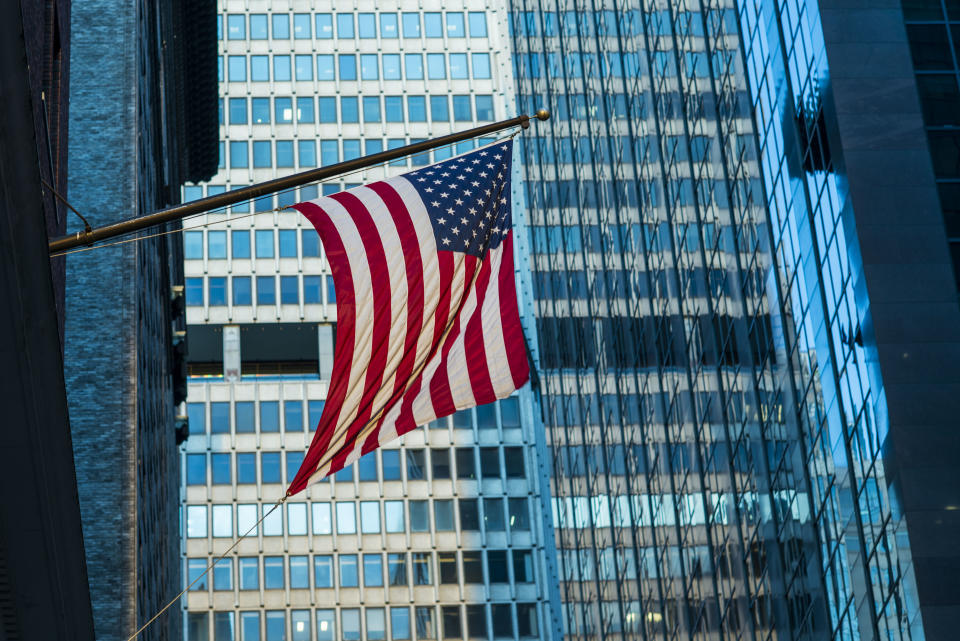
x,y
444,174
456,230
482,224
490,165
421,180
483,153
476,161
474,183
461,176
446,241
483,174
435,204
429,173
443,195
503,201
464,221
459,202
437,182
474,233
429,190
498,156
450,211
466,241
472,210
442,221
468,168
487,192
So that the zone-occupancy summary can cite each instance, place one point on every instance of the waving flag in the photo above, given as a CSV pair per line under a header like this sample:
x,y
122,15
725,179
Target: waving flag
x,y
427,319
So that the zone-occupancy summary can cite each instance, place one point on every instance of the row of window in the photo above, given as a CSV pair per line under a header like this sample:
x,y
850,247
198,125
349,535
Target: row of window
x,y
249,416
349,109
370,623
469,463
628,22
346,570
390,517
432,24
241,290
344,67
267,243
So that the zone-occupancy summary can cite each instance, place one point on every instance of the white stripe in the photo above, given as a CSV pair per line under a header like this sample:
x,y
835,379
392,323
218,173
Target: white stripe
x,y
493,342
461,390
363,331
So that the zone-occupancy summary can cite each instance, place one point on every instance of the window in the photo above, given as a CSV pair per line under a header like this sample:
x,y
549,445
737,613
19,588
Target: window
x,y
367,466
396,569
458,66
439,109
281,68
294,461
372,570
472,566
303,67
238,111
269,410
497,566
391,66
347,63
258,26
290,295
426,628
448,567
301,26
391,464
366,25
324,26
272,572
241,296
260,111
220,465
370,516
325,66
465,464
196,469
193,244
197,412
310,241
246,468
369,69
321,518
325,625
478,24
262,156
522,566
451,621
490,462
419,517
328,152
376,624
346,518
300,625
323,571
348,571
432,24
222,517
481,65
393,516
328,109
416,465
513,461
493,515
220,418
349,110
510,413
344,25
273,519
461,108
270,467
285,153
350,624
502,620
371,109
237,68
413,66
485,112
393,107
281,26
440,460
247,517
238,154
283,112
443,515
296,512
417,108
249,570
421,568
455,24
264,238
518,515
345,475
275,625
476,621
463,419
411,25
527,619
259,68
436,66
388,25
196,570
469,518
312,295
400,623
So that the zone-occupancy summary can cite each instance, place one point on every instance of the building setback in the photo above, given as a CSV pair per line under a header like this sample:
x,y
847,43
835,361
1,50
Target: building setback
x,y
141,127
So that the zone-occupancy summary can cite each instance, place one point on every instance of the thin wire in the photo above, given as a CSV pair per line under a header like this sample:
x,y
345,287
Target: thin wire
x,y
137,239
209,567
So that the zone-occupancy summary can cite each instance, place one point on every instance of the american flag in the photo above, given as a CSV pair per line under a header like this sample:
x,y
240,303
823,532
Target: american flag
x,y
427,318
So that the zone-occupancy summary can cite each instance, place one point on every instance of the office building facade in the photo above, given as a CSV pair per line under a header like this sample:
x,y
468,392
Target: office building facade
x,y
436,536
743,338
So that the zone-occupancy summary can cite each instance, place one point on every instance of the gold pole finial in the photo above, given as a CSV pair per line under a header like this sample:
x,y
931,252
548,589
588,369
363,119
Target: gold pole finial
x,y
543,114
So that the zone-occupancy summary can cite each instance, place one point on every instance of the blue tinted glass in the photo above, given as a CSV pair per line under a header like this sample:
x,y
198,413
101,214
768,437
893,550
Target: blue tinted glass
x,y
281,26
324,26
484,107
270,467
288,197
196,469
371,109
281,68
243,421
259,68
436,66
266,290
366,25
197,417
289,291
307,154
264,240
314,410
219,418
192,192
304,110
311,290
246,468
439,109
284,153
262,156
368,67
220,469
393,108
216,290
458,65
331,292
328,109
349,111
388,25
481,65
413,66
238,154
269,410
396,143
216,244
292,413
461,108
417,108
328,152
193,244
237,68
258,26
325,67
351,148
348,66
301,26
455,24
411,25
240,243
294,461
287,239
433,24
391,66
309,240
344,25
241,290
303,67
264,203
373,145
238,111
478,24
260,108
308,193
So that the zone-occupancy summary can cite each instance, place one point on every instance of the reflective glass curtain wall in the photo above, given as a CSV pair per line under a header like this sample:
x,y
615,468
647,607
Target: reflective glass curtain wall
x,y
714,432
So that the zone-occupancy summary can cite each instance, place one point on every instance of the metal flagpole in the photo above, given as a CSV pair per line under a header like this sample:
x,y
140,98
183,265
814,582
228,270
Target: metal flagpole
x,y
90,236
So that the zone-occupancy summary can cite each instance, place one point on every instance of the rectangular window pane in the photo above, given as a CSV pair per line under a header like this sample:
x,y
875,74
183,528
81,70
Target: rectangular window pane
x,y
344,25
419,516
493,515
421,568
462,110
321,518
300,625
242,295
388,25
303,67
260,111
371,109
323,571
372,570
346,518
440,461
260,68
349,109
270,467
451,621
269,410
196,469
370,517
348,570
478,24
411,25
301,26
222,521
273,572
443,515
393,516
439,109
455,24
281,68
258,26
376,624
325,625
249,571
246,468
347,63
281,26
458,66
221,469
324,66
400,623
436,66
366,25
238,111
369,69
433,24
480,62
220,418
196,571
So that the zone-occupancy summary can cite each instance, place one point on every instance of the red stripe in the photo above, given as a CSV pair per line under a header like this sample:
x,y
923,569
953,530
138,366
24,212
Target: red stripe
x,y
474,342
382,317
510,317
440,384
414,264
346,321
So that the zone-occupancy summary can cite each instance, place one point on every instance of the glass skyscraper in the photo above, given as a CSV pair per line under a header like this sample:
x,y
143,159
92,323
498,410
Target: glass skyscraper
x,y
436,536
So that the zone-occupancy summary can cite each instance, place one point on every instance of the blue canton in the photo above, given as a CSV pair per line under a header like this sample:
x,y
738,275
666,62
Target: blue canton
x,y
468,198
